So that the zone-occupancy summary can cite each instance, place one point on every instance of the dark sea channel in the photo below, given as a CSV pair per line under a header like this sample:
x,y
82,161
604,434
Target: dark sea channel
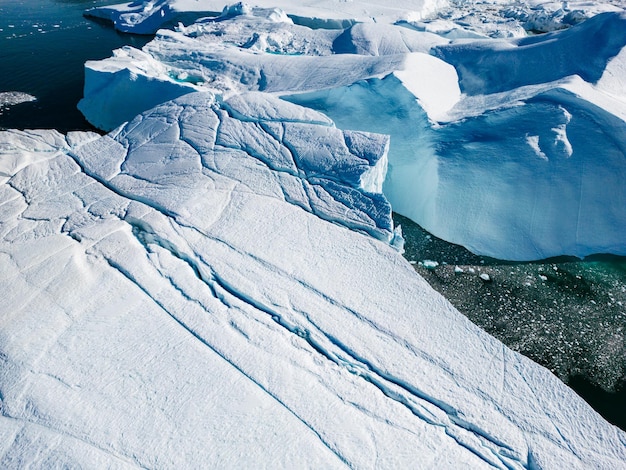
x,y
566,314
45,44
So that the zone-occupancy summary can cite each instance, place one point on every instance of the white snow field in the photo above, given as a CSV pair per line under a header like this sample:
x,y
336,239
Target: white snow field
x,y
514,148
200,289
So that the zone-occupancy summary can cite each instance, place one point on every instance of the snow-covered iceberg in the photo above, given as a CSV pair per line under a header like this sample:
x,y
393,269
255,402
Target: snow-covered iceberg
x,y
513,148
175,297
147,16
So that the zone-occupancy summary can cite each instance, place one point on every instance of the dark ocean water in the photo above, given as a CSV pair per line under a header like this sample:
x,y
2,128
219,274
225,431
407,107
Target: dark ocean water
x,y
44,45
567,315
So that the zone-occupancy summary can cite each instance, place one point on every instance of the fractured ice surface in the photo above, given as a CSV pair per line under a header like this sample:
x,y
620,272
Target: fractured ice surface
x,y
174,298
260,142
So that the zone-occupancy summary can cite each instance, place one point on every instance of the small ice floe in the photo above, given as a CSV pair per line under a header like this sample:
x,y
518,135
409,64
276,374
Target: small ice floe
x,y
458,270
485,277
11,98
429,264
543,278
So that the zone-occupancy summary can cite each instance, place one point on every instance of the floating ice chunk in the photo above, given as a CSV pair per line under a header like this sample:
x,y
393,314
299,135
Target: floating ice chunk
x,y
146,17
429,264
119,88
133,81
11,98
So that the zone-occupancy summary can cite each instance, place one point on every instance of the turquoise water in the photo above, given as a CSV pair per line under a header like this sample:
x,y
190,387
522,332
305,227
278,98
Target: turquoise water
x,y
44,45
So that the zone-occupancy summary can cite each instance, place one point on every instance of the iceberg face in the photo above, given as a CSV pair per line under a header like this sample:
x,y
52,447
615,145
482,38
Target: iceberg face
x,y
495,66
162,69
160,281
574,203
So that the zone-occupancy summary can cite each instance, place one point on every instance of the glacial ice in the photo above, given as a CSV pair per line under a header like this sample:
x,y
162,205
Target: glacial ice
x,y
11,98
175,298
463,116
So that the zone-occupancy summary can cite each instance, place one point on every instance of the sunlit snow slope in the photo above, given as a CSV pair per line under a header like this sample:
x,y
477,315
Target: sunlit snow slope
x,y
514,148
189,291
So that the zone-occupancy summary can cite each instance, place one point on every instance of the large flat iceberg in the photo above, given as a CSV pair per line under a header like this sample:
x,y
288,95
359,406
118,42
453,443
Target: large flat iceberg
x,y
190,291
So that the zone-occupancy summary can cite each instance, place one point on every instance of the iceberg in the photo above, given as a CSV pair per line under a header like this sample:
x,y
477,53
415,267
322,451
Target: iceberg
x,y
472,121
194,290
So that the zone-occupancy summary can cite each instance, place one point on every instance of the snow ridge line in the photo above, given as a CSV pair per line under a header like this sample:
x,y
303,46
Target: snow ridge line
x,y
385,382
234,114
364,368
353,363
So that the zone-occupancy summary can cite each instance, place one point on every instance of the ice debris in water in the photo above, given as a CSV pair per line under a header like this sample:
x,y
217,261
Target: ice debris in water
x,y
11,98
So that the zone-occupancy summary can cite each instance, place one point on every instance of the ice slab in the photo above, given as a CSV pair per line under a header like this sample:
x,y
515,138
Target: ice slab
x,y
512,18
493,66
11,98
453,19
166,306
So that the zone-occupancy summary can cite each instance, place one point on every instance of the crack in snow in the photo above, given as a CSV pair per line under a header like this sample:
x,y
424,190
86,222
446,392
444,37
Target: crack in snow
x,y
198,337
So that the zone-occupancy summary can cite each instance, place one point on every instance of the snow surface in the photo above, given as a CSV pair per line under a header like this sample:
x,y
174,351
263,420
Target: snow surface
x,y
217,282
175,298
